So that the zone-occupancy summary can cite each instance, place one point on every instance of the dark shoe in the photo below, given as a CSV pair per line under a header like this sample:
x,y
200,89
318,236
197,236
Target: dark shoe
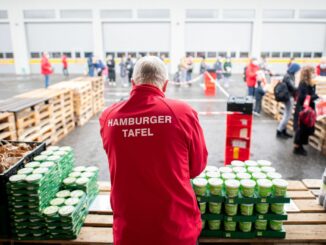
x,y
286,134
280,135
300,151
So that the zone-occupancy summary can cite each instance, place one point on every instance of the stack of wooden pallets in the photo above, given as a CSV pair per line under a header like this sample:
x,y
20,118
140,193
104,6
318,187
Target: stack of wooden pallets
x,y
7,126
270,105
82,98
97,91
318,140
33,118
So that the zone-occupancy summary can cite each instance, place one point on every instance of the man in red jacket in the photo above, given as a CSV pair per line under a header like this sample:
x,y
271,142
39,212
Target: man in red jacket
x,y
46,68
251,76
154,145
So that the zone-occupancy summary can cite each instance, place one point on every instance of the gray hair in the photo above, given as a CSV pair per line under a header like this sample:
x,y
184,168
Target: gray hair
x,y
150,70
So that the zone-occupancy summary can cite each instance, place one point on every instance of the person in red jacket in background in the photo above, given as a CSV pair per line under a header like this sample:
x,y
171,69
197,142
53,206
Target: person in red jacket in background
x,y
154,145
321,68
46,68
65,66
251,76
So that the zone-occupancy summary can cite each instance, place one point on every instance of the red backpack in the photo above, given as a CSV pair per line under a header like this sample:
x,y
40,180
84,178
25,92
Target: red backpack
x,y
308,115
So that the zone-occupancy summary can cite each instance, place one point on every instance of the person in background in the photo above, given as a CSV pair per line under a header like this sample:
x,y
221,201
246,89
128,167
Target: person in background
x,y
123,72
218,67
306,88
46,69
110,63
65,66
259,92
227,71
162,57
251,76
265,68
166,148
91,65
321,67
289,80
203,66
183,67
190,67
99,66
130,67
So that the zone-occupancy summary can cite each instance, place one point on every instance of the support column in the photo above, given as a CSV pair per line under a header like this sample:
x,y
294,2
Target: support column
x,y
97,35
19,41
256,38
177,45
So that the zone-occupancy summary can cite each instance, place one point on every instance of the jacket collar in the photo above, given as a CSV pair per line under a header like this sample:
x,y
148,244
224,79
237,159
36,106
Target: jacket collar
x,y
146,89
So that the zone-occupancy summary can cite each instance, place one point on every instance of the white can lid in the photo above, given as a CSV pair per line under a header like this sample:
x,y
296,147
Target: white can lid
x,y
199,182
239,170
251,163
77,193
51,210
63,194
75,174
265,183
280,183
243,175
53,148
237,163
82,181
40,170
17,178
73,201
267,169
248,183
80,169
274,175
69,180
264,163
47,164
228,176
225,170
232,183
213,174
25,171
33,177
66,210
259,175
32,165
210,168
215,182
91,169
254,169
57,201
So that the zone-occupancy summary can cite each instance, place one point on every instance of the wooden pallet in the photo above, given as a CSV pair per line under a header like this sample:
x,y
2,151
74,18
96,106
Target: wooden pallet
x,y
97,82
269,105
7,126
85,117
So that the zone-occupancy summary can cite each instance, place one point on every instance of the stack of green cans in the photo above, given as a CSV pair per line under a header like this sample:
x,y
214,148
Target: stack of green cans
x,y
29,192
66,214
85,179
64,156
243,200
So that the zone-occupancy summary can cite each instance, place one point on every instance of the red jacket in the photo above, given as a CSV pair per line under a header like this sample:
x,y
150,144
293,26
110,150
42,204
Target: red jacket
x,y
46,68
64,61
251,75
154,146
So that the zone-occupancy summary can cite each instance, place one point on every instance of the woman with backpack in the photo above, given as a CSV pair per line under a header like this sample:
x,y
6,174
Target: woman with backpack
x,y
284,91
305,116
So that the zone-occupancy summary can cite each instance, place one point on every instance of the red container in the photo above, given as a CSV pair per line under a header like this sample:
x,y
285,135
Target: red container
x,y
210,87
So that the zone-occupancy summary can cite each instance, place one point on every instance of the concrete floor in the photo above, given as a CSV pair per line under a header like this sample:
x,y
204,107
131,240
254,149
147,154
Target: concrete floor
x,y
87,143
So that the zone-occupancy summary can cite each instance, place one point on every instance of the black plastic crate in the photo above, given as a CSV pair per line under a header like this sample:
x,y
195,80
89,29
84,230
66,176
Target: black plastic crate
x,y
4,178
240,104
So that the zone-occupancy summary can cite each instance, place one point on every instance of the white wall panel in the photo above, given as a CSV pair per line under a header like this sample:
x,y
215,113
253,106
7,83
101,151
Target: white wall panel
x,y
204,36
59,37
293,37
5,38
136,36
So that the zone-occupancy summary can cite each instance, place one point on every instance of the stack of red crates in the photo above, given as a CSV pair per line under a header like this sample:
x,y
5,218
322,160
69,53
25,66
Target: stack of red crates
x,y
238,129
210,87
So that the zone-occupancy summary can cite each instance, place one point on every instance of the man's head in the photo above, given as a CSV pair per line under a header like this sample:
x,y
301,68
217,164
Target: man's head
x,y
150,70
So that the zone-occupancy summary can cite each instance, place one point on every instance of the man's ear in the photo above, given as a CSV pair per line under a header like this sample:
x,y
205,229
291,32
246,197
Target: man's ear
x,y
165,86
133,82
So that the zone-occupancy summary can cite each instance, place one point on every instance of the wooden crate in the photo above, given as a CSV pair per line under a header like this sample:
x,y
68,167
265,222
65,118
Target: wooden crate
x,y
318,140
270,105
7,126
98,101
320,85
82,99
